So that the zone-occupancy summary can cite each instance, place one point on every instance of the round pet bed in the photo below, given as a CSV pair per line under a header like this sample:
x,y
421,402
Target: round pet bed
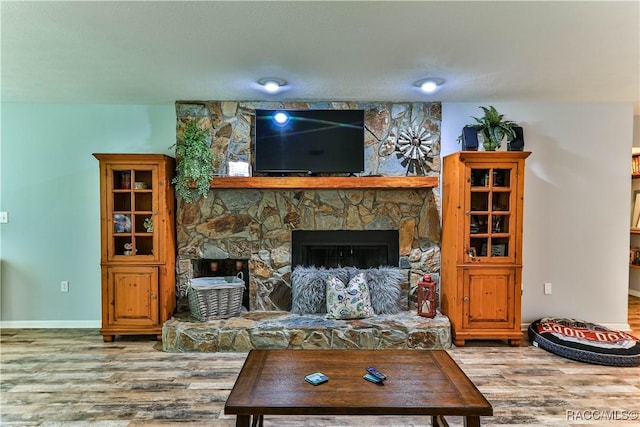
x,y
585,342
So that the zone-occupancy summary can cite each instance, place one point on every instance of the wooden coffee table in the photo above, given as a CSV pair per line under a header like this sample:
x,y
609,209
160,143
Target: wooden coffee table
x,y
419,382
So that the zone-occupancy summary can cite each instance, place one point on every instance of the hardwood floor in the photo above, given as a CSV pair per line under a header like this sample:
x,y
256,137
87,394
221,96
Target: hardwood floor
x,y
72,378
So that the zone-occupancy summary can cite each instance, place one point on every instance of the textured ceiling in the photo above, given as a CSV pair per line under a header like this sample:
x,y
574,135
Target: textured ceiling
x,y
150,52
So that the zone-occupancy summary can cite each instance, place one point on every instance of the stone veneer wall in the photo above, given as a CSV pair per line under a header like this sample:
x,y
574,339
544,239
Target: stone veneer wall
x,y
255,225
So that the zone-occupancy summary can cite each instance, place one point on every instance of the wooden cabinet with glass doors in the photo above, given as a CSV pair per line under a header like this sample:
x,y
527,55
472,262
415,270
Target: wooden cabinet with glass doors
x,y
137,205
481,267
634,255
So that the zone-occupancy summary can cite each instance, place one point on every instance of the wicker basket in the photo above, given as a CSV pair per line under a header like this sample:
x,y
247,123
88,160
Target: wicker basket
x,y
215,297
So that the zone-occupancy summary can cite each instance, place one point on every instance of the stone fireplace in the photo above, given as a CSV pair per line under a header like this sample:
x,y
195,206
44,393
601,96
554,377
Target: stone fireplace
x,y
255,225
258,228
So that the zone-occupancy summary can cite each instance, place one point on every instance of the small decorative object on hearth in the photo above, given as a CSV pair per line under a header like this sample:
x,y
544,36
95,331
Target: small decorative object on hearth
x,y
493,129
427,296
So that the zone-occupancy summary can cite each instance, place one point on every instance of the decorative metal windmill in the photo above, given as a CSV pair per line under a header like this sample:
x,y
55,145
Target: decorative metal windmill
x,y
415,145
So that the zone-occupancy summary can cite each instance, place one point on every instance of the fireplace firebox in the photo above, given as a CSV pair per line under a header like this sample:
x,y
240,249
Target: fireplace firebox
x,y
335,248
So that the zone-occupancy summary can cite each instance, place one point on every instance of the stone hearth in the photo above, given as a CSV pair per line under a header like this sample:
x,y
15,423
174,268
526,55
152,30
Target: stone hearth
x,y
276,329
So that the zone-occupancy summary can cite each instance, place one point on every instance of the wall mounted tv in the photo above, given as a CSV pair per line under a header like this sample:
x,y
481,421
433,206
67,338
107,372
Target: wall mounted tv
x,y
309,141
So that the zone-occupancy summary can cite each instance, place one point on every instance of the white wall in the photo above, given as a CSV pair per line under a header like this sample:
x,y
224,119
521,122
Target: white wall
x,y
50,187
576,219
576,214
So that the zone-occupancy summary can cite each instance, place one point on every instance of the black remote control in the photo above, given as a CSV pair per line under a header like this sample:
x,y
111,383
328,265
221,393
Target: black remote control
x,y
376,373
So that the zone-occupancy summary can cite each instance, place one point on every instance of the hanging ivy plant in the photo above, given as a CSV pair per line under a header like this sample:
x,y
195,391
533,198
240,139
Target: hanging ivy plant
x,y
195,164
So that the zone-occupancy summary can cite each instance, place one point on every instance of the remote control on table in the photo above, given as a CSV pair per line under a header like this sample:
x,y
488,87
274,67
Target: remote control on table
x,y
316,378
373,379
373,371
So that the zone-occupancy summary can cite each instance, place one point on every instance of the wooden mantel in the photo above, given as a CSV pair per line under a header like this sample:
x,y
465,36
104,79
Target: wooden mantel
x,y
330,182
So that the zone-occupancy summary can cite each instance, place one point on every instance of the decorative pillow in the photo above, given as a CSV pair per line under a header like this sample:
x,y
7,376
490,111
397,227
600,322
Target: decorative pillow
x,y
348,302
308,290
346,273
585,342
385,288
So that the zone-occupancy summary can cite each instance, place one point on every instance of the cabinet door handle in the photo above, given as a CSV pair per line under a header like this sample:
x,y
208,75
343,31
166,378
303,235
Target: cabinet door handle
x,y
465,299
153,296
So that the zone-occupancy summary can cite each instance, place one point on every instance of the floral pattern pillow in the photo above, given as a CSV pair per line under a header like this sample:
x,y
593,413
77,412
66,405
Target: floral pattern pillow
x,y
348,302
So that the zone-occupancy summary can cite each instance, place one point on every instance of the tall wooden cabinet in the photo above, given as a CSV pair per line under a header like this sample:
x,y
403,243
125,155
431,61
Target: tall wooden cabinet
x,y
481,267
634,264
137,223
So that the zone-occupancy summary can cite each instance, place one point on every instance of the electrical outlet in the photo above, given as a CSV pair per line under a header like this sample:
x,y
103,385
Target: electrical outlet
x,y
64,286
547,288
4,217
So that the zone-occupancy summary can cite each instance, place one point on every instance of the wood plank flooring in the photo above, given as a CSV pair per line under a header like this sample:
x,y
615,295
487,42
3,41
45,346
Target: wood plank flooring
x,y
72,378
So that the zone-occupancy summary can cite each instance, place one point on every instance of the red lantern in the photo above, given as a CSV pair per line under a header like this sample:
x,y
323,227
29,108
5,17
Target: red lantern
x,y
427,300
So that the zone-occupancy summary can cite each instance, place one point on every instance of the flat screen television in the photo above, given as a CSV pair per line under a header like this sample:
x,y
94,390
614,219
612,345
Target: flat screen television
x,y
309,141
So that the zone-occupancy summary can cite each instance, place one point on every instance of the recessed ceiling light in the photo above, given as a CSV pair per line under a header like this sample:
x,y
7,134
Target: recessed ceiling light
x,y
429,85
272,85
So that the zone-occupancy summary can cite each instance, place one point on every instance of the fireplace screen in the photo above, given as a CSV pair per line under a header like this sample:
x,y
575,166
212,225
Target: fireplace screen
x,y
361,249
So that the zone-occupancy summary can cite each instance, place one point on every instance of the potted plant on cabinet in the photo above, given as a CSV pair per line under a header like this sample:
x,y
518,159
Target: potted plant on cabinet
x,y
493,128
194,163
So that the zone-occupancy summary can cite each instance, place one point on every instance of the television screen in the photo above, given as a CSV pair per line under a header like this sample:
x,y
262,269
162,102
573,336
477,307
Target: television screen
x,y
309,141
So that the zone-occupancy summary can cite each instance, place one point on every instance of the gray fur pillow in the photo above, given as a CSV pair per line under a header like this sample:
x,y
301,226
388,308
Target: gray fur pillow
x,y
308,294
385,289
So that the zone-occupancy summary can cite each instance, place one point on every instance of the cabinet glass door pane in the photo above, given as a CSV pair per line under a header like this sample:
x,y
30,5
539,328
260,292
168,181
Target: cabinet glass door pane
x,y
500,247
500,200
133,211
490,213
121,179
480,201
480,177
144,211
478,246
479,224
501,177
122,201
143,200
143,179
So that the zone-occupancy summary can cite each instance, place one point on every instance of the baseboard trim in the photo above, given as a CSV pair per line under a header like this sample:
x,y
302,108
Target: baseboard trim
x,y
634,293
50,324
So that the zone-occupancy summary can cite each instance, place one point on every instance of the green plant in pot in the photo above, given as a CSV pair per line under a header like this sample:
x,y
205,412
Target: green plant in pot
x,y
194,163
494,128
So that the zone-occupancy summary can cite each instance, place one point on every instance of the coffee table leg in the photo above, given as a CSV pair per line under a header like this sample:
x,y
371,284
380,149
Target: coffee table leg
x,y
439,421
471,421
242,420
258,421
